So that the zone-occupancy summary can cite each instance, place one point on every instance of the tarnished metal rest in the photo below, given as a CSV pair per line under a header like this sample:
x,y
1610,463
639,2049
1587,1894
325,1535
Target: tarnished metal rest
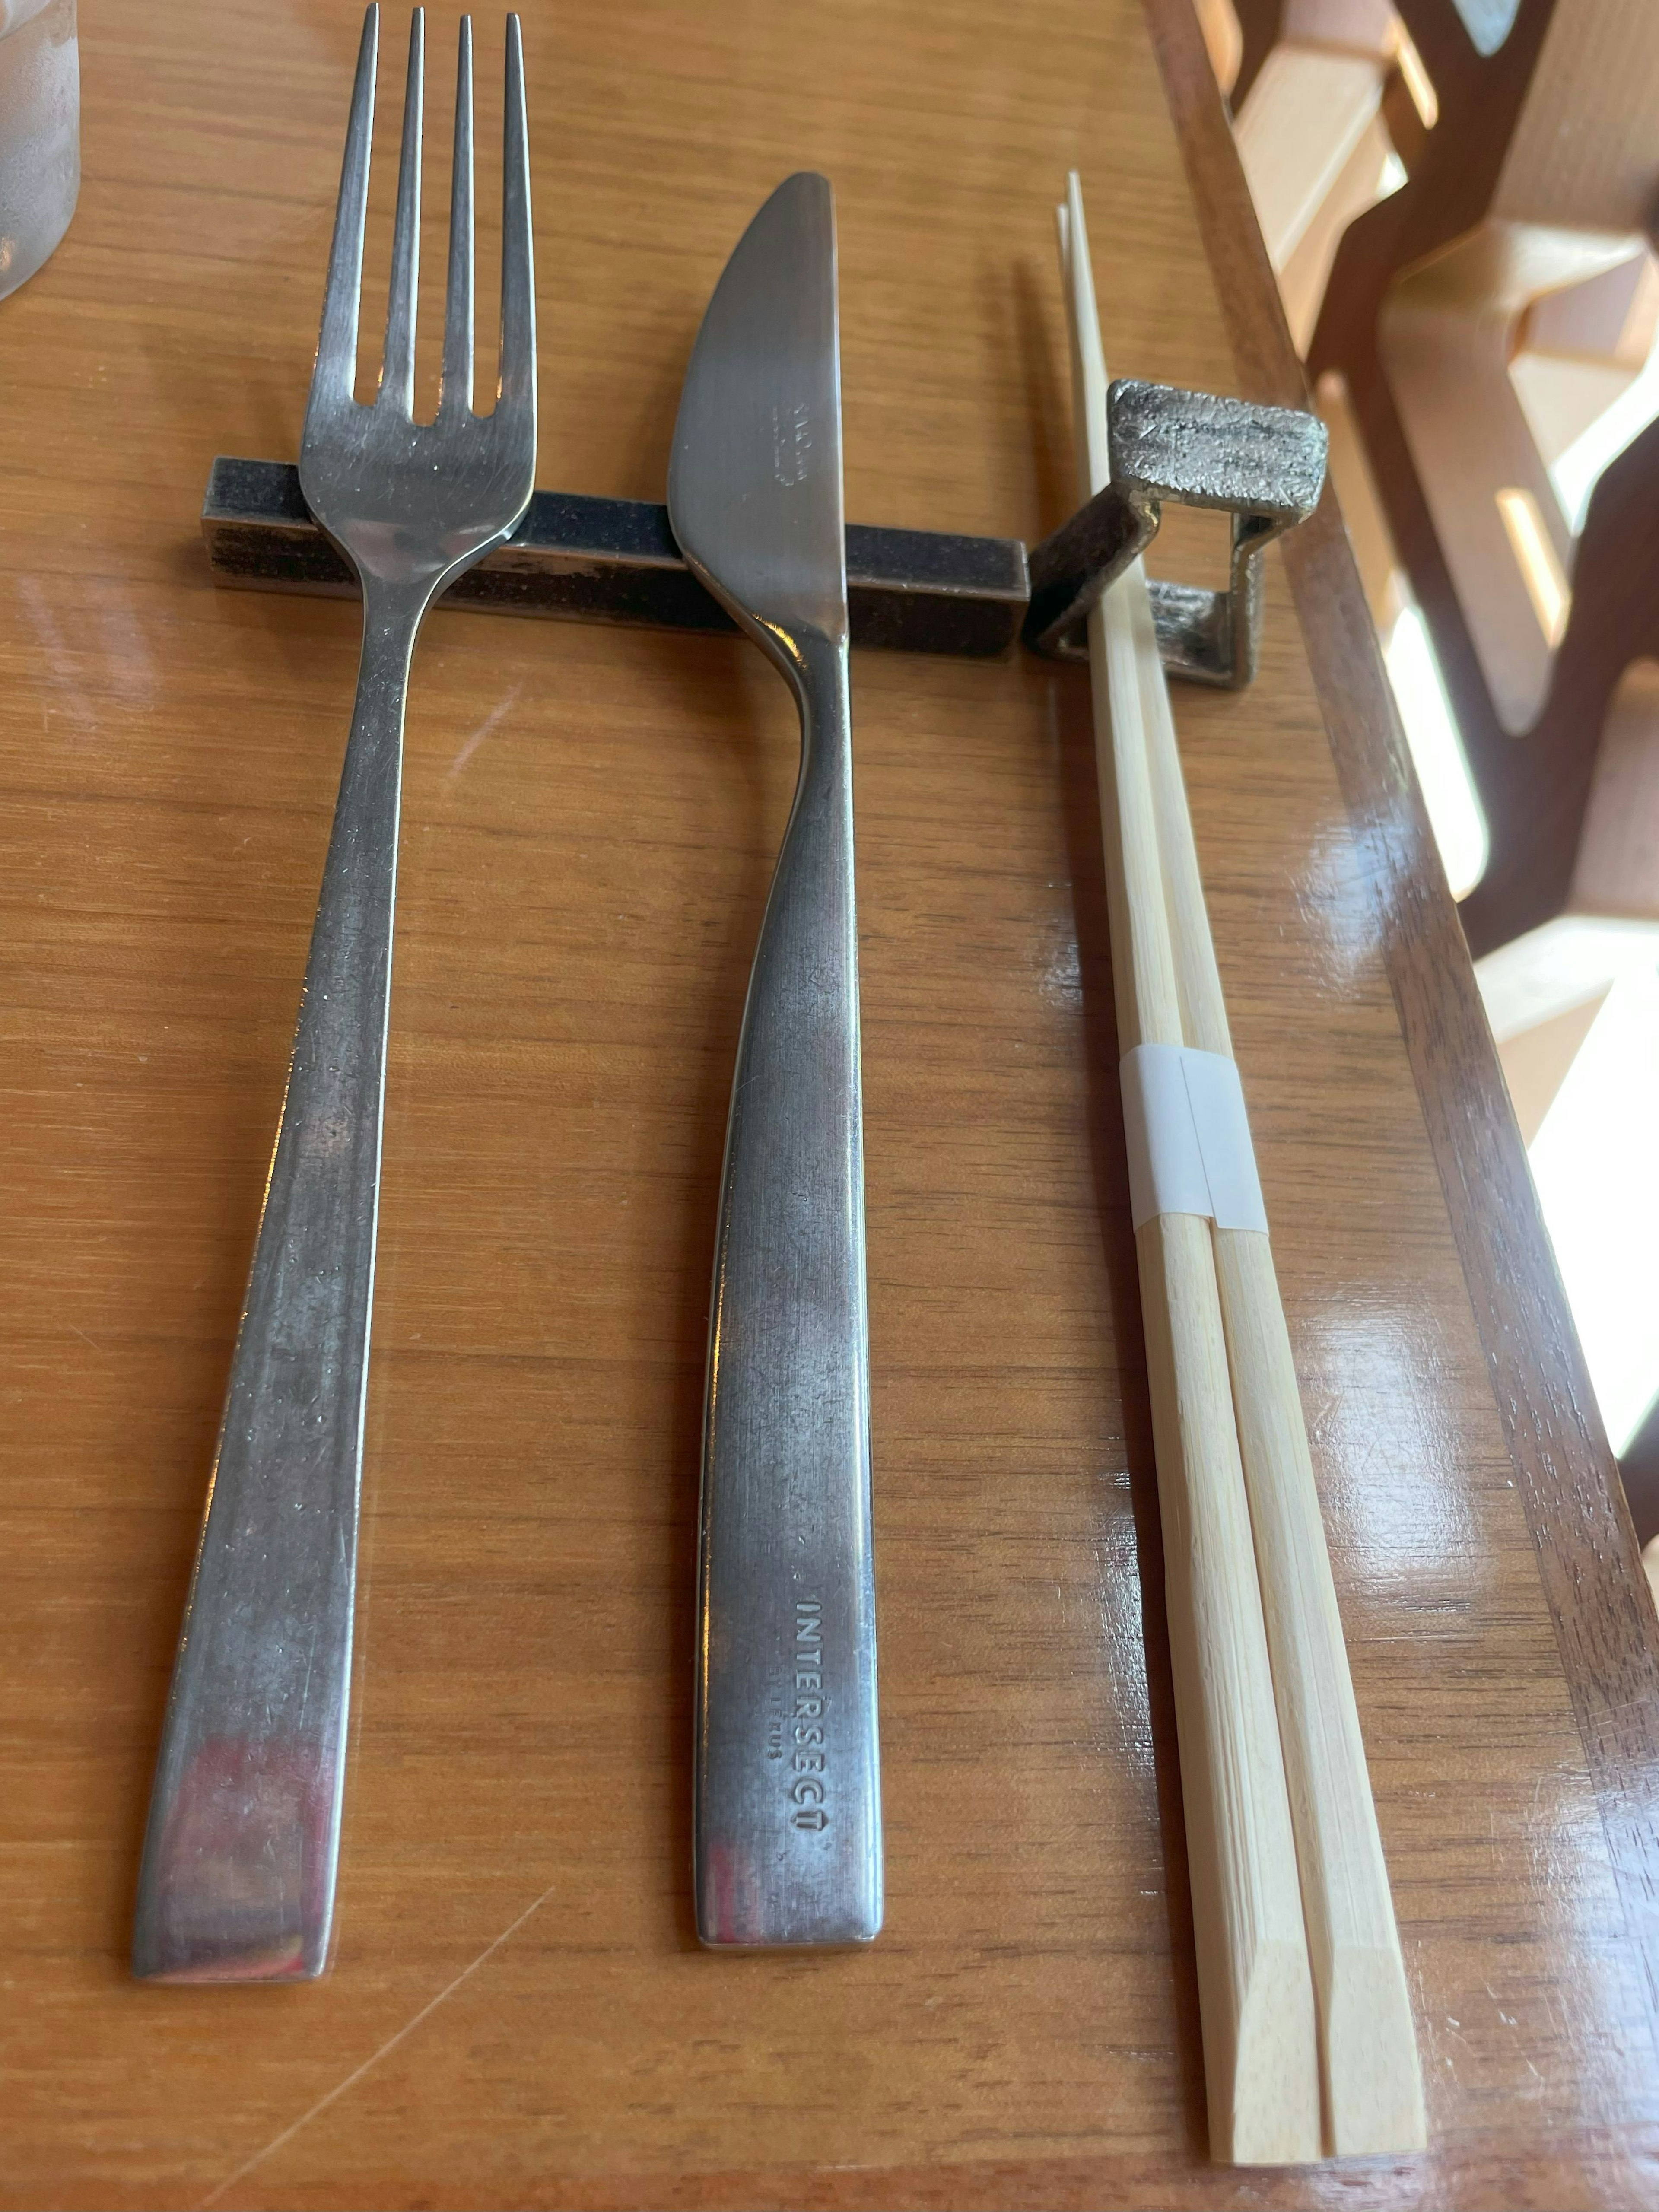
x,y
588,559
1263,466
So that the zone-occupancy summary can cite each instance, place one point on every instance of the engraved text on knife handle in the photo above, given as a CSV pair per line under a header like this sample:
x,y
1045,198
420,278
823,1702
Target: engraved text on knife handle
x,y
787,1811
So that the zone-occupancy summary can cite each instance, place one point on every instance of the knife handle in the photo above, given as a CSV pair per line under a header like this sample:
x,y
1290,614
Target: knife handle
x,y
788,1814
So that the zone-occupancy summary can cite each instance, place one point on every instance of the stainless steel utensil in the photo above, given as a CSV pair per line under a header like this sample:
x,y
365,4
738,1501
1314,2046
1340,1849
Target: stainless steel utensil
x,y
788,1806
240,1860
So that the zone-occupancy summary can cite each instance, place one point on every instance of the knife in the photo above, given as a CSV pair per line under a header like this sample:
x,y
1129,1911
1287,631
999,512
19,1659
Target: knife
x,y
788,1798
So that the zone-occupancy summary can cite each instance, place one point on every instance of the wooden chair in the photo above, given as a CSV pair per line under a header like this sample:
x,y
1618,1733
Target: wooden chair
x,y
1521,230
1322,91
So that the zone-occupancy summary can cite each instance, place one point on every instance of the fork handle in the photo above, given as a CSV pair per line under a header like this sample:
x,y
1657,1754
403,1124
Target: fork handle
x,y
237,1883
787,1794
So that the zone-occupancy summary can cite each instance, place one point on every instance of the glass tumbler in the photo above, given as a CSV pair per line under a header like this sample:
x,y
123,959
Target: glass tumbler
x,y
39,132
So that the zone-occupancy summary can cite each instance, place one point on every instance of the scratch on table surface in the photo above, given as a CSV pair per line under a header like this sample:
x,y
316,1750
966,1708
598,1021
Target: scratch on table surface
x,y
374,2058
490,722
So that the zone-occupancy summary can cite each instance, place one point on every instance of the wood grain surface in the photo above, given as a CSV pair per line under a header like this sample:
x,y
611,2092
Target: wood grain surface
x,y
519,2014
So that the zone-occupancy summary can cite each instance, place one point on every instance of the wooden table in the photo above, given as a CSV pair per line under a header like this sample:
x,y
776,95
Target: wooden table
x,y
519,2014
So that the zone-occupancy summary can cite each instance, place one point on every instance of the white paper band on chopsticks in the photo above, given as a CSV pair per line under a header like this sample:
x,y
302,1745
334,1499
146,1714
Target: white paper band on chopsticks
x,y
1188,1137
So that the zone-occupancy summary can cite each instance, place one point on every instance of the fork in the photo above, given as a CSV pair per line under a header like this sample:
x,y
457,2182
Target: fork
x,y
240,1855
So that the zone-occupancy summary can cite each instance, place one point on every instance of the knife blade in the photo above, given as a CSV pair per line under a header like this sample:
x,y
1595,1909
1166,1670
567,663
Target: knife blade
x,y
787,1800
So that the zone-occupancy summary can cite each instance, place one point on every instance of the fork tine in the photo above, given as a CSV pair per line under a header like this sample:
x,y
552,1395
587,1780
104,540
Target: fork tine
x,y
336,344
398,372
456,388
517,378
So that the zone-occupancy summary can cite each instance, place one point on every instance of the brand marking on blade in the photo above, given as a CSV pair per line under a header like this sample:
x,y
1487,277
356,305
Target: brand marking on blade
x,y
791,442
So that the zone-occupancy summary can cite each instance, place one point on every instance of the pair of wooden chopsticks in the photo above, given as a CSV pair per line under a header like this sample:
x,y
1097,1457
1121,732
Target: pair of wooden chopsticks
x,y
1309,2043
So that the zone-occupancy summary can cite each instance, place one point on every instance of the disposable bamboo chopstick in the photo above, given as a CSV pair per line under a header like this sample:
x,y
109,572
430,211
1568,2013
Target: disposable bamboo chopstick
x,y
1255,1992
1368,2045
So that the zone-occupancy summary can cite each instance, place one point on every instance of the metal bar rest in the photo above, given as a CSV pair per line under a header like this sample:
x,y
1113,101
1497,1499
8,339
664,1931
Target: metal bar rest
x,y
586,559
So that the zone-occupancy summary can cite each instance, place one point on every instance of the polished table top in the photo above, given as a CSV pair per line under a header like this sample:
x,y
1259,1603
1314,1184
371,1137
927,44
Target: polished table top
x,y
519,2014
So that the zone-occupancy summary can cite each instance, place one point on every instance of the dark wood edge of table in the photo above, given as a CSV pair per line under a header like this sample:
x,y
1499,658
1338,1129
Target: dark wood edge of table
x,y
1605,1622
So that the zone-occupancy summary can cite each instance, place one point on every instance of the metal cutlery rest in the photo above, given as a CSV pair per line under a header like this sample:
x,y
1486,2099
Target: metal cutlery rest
x,y
588,559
